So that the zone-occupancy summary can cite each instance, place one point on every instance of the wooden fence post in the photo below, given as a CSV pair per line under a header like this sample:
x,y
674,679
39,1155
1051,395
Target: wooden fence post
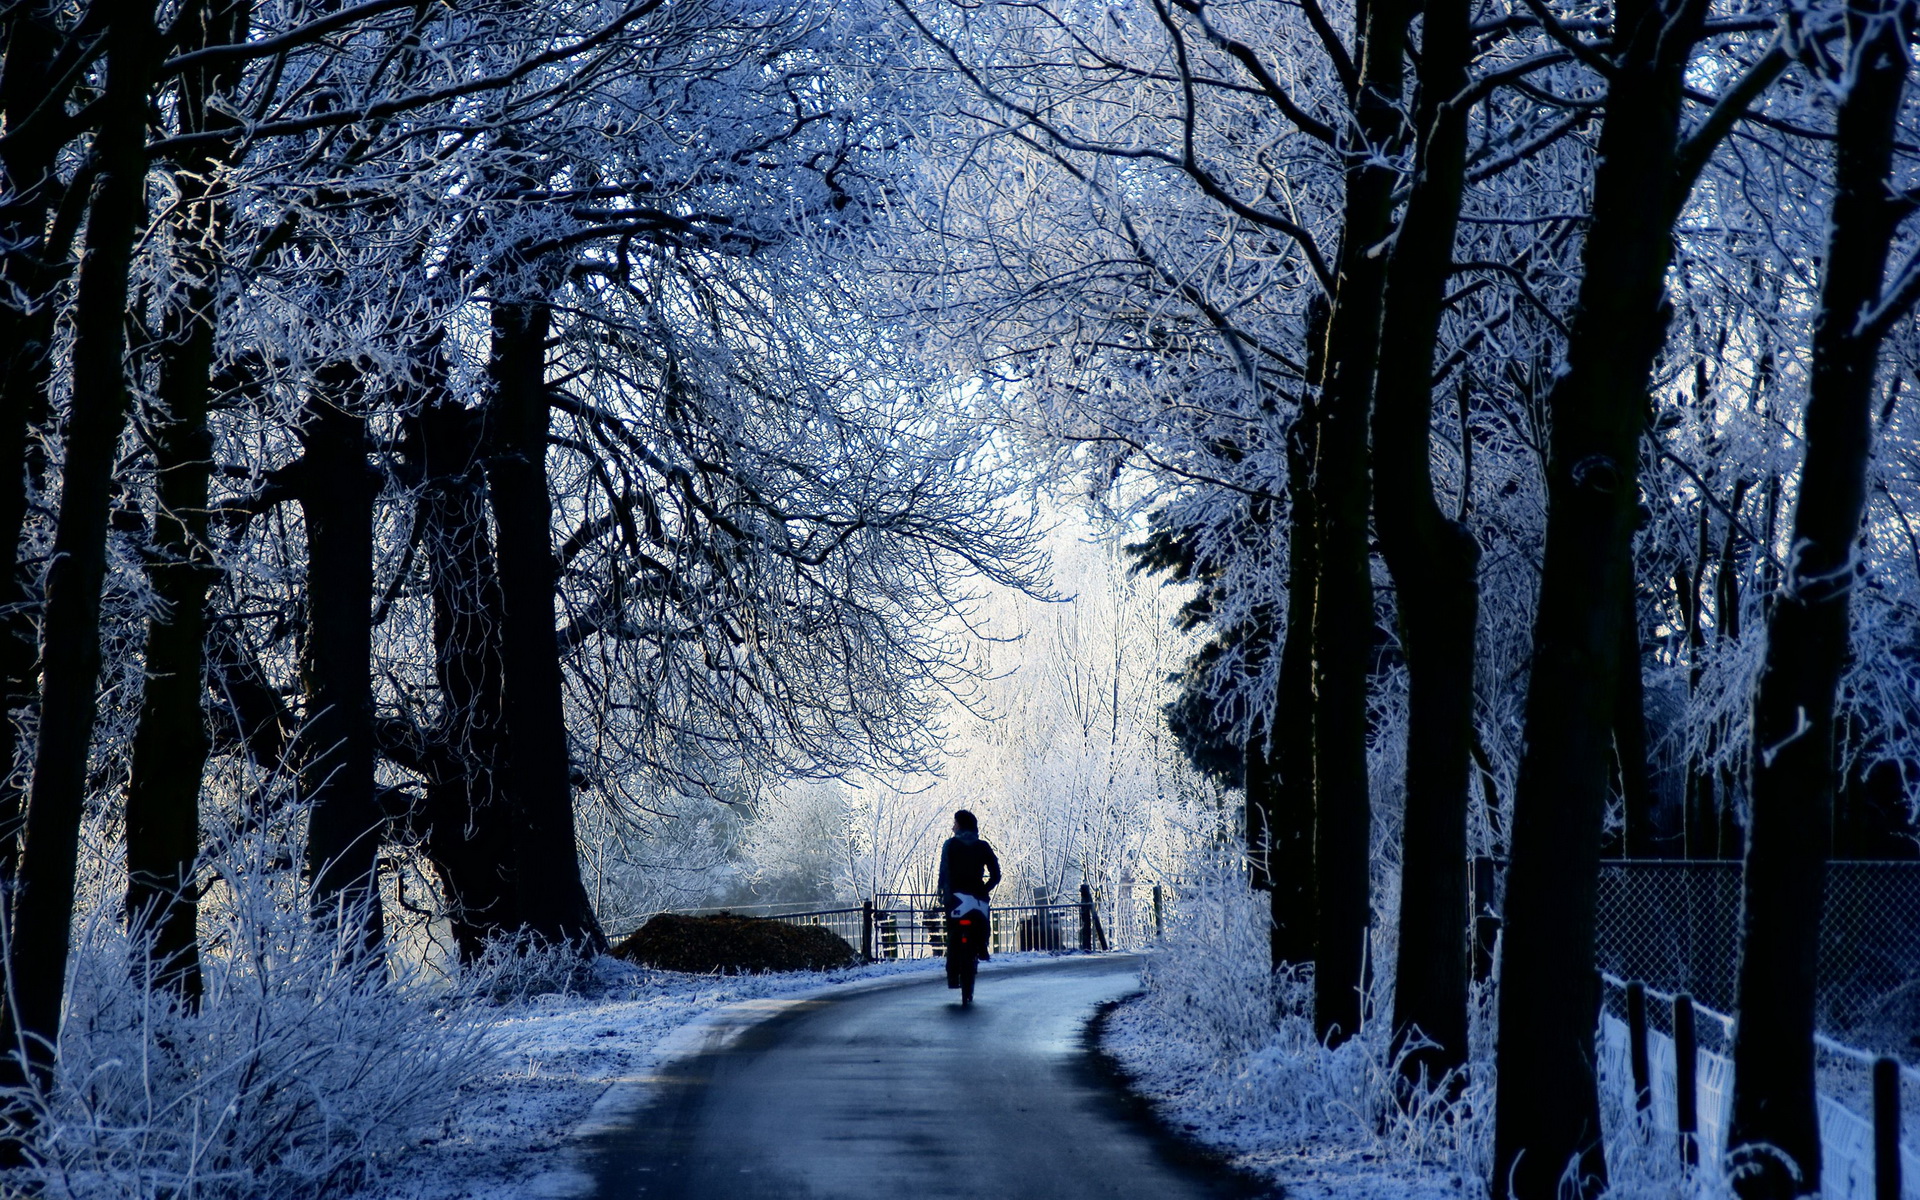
x,y
1686,1079
1159,930
866,930
1886,1129
1637,1045
1086,919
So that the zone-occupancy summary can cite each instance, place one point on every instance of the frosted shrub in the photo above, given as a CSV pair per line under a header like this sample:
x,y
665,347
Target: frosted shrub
x,y
1231,1046
301,1068
512,971
1208,986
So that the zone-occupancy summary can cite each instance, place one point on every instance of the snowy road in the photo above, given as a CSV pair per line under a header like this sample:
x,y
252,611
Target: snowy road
x,y
899,1093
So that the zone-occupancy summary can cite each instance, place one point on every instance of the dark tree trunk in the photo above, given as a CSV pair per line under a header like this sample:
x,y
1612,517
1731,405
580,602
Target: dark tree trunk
x,y
1291,745
1343,600
43,901
344,819
170,743
1434,561
1547,1115
253,719
1639,836
471,831
1793,747
553,901
31,267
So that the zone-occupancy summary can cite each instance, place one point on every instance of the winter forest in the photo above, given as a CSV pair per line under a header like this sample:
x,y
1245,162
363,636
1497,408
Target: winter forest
x,y
1382,472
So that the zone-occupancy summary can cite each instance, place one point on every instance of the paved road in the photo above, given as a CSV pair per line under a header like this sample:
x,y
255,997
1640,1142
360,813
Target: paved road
x,y
903,1095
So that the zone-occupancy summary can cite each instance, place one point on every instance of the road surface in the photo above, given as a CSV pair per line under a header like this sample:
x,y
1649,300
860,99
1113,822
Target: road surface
x,y
900,1094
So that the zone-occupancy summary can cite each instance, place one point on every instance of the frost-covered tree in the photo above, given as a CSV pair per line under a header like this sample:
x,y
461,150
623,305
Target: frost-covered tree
x,y
515,426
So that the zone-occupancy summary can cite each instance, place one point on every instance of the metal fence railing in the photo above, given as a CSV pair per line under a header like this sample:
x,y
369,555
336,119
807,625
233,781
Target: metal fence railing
x,y
913,925
896,925
1676,925
844,920
847,922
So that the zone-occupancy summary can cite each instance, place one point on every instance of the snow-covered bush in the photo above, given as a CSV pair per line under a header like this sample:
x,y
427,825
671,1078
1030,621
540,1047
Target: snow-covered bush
x,y
1208,986
1227,1048
512,971
306,1062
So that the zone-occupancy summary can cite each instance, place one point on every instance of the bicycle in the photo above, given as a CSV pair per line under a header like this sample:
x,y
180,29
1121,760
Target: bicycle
x,y
966,936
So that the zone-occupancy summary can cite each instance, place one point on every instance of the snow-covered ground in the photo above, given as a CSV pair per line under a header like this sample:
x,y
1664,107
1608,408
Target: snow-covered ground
x,y
507,1138
1289,1112
1223,1049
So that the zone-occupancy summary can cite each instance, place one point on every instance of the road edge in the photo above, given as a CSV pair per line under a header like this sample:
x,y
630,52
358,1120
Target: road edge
x,y
1171,1140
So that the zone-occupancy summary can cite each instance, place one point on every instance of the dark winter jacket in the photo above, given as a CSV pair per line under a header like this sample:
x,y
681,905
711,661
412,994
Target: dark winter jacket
x,y
967,864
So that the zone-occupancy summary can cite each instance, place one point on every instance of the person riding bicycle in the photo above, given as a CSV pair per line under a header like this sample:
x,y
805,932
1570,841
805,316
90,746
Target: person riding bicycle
x,y
969,871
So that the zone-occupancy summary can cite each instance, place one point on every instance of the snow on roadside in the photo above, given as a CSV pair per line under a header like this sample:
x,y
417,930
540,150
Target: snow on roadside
x,y
1223,1049
559,1054
1297,1115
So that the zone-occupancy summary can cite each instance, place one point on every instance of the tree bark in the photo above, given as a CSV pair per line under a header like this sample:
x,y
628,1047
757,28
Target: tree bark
x,y
1291,741
31,266
471,832
1639,835
171,741
1434,562
253,719
1775,1132
43,900
1547,1115
344,819
553,901
1343,595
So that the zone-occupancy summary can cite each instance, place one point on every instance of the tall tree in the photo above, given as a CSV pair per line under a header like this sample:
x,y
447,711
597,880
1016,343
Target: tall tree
x,y
1774,1143
41,65
1289,745
471,831
70,640
1433,560
337,488
1343,621
171,742
1547,1119
553,901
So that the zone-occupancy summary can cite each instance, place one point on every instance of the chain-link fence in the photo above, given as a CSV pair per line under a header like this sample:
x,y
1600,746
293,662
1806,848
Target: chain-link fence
x,y
1676,926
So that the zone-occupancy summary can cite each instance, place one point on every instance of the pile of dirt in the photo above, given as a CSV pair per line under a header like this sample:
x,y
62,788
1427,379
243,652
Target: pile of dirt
x,y
734,945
